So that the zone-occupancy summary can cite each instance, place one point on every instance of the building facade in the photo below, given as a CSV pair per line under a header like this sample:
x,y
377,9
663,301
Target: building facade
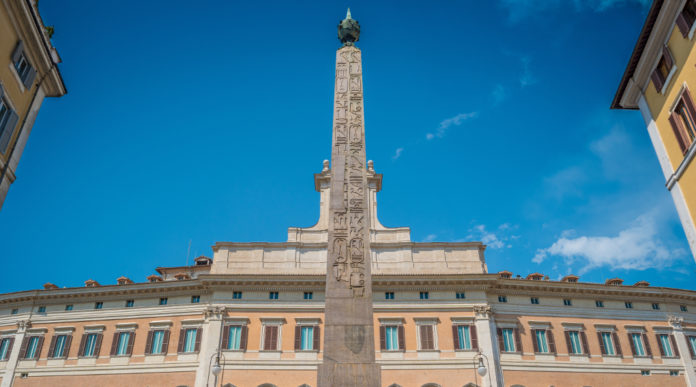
x,y
660,81
28,74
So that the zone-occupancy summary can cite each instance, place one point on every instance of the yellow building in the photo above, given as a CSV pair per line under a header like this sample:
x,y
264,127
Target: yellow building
x,y
28,74
660,81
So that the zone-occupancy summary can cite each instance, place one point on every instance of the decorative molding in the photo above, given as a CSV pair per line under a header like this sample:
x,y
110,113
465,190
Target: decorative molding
x,y
127,326
573,326
676,322
273,320
426,320
392,320
307,320
161,324
483,311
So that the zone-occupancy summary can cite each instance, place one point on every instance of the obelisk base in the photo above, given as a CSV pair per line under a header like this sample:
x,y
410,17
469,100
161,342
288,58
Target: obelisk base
x,y
332,374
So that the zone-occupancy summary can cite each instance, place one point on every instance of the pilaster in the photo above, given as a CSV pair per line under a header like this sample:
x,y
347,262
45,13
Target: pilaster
x,y
8,377
488,345
682,344
210,345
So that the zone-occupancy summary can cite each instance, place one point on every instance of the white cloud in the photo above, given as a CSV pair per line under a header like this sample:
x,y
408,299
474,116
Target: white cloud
x,y
397,154
430,238
637,247
566,182
523,9
493,239
452,121
499,94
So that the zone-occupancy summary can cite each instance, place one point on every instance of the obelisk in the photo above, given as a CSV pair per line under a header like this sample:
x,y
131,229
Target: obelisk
x,y
349,350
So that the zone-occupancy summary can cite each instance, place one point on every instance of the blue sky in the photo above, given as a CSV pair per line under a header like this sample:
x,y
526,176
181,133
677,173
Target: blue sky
x,y
489,120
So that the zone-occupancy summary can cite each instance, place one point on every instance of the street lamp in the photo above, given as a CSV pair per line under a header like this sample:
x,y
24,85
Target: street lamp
x,y
481,368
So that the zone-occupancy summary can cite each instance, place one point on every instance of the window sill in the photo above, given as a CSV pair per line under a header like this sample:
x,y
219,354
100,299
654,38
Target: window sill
x,y
20,84
466,350
428,350
233,350
545,353
306,350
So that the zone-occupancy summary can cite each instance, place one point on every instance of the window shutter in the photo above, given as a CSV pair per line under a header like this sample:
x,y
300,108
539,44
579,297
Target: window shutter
x,y
226,337
243,339
317,341
402,339
689,102
688,344
267,338
602,348
29,80
633,345
9,348
165,342
455,336
81,350
23,348
585,347
675,349
39,346
274,338
148,343
199,336
182,340
617,343
501,344
52,347
648,350
298,337
551,340
7,131
674,121
382,337
659,345
518,341
568,343
534,340
114,344
19,48
657,80
668,57
683,25
97,345
131,341
66,349
423,336
474,337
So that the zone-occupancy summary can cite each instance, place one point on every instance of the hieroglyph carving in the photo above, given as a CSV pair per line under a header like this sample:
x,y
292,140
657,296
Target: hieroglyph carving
x,y
349,246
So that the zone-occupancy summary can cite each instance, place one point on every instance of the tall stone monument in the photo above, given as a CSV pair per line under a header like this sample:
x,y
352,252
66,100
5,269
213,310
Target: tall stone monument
x,y
349,351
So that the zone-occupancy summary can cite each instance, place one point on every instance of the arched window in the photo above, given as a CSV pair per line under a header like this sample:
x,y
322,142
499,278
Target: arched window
x,y
394,385
229,385
471,385
517,385
267,385
431,385
305,385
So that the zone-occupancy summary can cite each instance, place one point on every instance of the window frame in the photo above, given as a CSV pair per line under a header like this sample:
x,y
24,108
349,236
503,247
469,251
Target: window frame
x,y
396,324
84,342
6,344
278,337
660,81
389,295
243,336
684,102
470,343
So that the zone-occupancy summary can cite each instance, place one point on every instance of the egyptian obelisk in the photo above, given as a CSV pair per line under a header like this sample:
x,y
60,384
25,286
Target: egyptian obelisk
x,y
349,350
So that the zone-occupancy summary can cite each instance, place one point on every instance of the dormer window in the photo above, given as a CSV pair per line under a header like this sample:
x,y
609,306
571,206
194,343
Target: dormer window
x,y
154,278
614,282
570,278
202,261
535,277
182,276
505,274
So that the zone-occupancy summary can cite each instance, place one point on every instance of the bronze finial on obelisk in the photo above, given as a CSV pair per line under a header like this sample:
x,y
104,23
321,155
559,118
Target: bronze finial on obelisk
x,y
349,343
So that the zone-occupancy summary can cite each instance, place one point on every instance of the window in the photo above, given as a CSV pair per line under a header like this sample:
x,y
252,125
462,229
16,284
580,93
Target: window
x,y
123,342
42,309
427,337
606,341
163,301
270,337
308,295
534,300
686,18
502,298
424,295
645,372
92,342
130,303
98,305
575,345
8,121
306,338
667,345
683,121
663,70
673,373
33,347
636,340
237,295
460,295
683,308
465,337
388,295
567,302
24,69
391,337
14,311
692,344
508,336
629,305
236,337
272,295
69,307
5,347
656,306
195,299
60,345
190,340
540,341
158,342
599,304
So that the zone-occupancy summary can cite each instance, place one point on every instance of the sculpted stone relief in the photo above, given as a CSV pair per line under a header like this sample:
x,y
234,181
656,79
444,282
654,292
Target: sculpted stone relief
x,y
349,223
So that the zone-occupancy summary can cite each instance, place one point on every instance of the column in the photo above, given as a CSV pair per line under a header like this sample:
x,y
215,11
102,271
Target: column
x,y
488,345
682,344
8,377
210,345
